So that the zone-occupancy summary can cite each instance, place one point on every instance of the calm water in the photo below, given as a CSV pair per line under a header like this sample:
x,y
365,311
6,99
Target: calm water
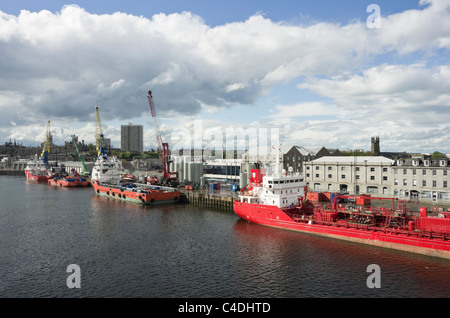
x,y
127,250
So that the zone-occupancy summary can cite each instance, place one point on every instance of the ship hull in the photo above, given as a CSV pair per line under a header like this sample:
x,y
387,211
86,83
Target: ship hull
x,y
69,183
388,238
36,177
151,197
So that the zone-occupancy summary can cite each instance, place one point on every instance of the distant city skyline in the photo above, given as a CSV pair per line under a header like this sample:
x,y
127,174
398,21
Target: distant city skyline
x,y
324,73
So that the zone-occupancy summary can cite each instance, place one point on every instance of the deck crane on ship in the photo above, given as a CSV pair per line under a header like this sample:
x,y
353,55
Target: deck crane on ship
x,y
85,172
168,178
46,149
99,138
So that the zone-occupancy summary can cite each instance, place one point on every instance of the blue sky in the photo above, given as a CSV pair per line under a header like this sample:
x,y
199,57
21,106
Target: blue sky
x,y
217,12
313,70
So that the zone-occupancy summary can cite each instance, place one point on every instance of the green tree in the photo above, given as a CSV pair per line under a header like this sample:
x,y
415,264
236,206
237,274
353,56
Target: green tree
x,y
438,155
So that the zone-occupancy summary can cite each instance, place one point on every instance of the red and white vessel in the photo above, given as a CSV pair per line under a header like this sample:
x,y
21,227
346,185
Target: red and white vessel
x,y
107,180
73,181
36,170
279,201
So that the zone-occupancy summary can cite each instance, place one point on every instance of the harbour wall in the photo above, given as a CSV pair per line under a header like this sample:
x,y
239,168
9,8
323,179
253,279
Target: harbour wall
x,y
210,200
10,172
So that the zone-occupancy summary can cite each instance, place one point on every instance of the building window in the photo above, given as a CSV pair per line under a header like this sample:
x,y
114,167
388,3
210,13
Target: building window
x,y
372,190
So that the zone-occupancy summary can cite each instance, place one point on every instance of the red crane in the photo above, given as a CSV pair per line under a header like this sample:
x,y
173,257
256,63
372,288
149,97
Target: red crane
x,y
163,147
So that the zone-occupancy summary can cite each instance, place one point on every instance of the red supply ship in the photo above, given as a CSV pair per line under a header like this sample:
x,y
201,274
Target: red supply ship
x,y
36,170
137,193
69,181
280,201
107,180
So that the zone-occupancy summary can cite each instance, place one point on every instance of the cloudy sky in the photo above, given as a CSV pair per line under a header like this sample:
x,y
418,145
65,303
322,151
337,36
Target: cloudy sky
x,y
321,73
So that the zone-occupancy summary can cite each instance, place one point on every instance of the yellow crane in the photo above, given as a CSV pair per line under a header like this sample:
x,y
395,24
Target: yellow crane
x,y
46,149
101,149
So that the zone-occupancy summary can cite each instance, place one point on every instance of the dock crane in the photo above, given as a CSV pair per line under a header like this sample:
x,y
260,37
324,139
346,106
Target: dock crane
x,y
85,171
46,149
163,148
99,138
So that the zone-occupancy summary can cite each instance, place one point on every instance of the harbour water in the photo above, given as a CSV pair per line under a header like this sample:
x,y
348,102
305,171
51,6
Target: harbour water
x,y
132,251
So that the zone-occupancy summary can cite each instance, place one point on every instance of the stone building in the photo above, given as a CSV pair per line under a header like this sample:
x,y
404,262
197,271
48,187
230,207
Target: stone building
x,y
349,174
421,178
413,179
297,155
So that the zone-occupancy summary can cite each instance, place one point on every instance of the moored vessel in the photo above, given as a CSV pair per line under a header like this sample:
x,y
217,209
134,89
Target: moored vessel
x,y
36,170
73,181
108,175
267,201
137,193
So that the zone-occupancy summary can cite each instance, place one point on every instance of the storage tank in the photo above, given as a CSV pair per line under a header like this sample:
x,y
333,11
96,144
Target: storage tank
x,y
243,179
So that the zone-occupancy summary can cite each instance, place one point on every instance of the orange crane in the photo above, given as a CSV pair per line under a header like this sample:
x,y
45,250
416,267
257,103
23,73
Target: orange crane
x,y
163,148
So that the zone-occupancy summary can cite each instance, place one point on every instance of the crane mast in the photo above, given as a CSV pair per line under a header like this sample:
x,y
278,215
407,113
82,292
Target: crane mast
x,y
101,150
163,147
85,172
46,149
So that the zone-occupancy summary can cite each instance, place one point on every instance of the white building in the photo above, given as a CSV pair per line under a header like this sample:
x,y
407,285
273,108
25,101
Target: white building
x,y
352,174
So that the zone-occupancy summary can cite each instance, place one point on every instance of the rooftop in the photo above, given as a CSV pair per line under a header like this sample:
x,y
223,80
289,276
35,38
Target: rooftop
x,y
354,159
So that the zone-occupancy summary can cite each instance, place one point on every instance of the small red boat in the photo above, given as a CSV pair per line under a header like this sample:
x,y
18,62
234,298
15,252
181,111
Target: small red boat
x,y
70,181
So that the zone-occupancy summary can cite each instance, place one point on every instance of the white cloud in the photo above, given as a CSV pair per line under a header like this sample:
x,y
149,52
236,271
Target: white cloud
x,y
59,66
